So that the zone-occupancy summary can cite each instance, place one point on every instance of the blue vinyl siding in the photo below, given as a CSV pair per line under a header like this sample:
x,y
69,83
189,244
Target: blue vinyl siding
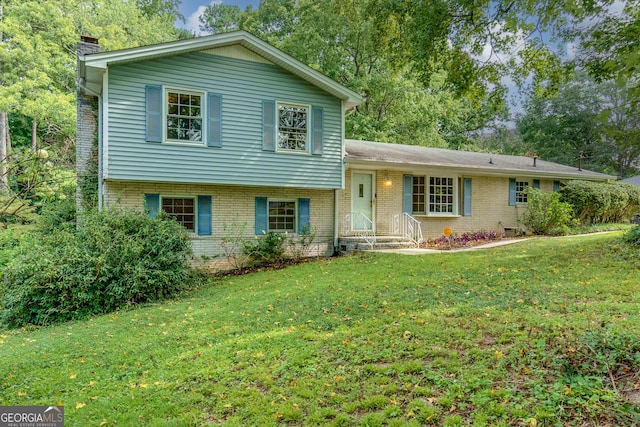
x,y
243,86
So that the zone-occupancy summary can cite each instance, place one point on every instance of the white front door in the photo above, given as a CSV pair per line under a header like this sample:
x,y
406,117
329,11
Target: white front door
x,y
362,201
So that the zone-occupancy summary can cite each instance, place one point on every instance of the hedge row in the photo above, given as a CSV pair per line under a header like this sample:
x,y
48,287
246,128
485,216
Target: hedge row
x,y
597,202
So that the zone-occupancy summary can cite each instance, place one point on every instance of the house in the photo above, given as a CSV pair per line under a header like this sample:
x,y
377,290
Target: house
x,y
405,189
227,130
215,131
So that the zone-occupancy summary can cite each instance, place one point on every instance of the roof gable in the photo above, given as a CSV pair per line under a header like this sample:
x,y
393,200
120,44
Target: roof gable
x,y
400,156
93,66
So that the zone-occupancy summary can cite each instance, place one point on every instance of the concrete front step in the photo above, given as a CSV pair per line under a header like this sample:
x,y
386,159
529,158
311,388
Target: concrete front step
x,y
354,243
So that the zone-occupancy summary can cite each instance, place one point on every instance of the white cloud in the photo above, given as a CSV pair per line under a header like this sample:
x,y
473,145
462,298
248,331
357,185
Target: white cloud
x,y
193,20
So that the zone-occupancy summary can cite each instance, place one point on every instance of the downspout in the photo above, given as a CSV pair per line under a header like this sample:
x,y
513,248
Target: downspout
x,y
100,185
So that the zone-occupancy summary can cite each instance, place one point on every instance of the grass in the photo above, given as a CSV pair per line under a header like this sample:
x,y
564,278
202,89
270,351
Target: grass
x,y
540,333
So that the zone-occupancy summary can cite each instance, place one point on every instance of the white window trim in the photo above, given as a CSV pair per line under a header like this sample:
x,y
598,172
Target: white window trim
x,y
307,144
529,182
295,214
456,198
203,116
195,208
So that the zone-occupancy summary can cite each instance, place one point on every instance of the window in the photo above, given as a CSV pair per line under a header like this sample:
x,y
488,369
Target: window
x,y
521,195
442,195
419,197
282,215
182,209
433,195
292,128
184,116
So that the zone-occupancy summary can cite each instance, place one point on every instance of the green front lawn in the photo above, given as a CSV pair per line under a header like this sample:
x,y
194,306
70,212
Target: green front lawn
x,y
539,333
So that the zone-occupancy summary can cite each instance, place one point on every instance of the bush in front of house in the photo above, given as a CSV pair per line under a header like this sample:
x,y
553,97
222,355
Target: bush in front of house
x,y
597,202
270,247
546,214
116,258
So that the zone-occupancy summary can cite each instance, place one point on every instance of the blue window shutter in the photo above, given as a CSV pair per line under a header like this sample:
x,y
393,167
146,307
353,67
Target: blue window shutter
x,y
556,186
214,120
304,214
153,97
407,194
204,215
512,191
269,125
262,215
316,136
536,184
467,201
152,204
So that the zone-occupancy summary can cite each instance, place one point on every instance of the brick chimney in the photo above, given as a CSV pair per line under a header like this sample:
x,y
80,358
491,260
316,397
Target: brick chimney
x,y
86,130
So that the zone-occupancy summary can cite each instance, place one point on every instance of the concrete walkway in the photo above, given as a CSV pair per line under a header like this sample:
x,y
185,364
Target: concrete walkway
x,y
421,251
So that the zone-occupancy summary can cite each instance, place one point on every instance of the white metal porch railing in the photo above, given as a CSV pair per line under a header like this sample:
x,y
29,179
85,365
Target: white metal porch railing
x,y
359,225
407,226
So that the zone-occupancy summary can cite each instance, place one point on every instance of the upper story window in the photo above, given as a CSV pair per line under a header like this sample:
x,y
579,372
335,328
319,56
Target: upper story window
x,y
184,116
521,194
435,195
293,132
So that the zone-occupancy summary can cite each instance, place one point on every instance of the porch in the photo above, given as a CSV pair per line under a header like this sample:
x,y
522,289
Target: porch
x,y
358,232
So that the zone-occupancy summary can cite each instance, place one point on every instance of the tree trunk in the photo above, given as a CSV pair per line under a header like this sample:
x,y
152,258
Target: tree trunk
x,y
34,139
4,182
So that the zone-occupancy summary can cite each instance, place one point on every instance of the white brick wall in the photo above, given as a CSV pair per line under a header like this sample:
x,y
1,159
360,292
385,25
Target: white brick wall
x,y
490,201
230,205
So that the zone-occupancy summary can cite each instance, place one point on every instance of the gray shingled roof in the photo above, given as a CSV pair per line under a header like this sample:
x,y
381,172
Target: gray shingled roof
x,y
397,156
635,180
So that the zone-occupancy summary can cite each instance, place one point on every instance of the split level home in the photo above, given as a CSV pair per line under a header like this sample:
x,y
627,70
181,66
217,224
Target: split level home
x,y
226,130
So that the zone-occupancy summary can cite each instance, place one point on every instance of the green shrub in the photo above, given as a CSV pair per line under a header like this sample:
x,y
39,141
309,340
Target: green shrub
x,y
633,236
269,247
115,259
598,202
546,213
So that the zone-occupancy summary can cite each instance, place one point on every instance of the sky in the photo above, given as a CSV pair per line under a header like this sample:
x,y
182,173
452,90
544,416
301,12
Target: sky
x,y
192,9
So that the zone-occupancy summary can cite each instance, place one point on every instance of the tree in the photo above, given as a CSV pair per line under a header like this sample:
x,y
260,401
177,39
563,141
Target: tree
x,y
220,18
610,48
586,120
37,70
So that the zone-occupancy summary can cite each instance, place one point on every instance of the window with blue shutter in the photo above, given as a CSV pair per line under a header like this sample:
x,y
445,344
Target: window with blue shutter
x,y
556,186
269,125
204,215
536,184
467,199
316,135
304,215
262,215
153,97
152,204
512,192
214,120
407,193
